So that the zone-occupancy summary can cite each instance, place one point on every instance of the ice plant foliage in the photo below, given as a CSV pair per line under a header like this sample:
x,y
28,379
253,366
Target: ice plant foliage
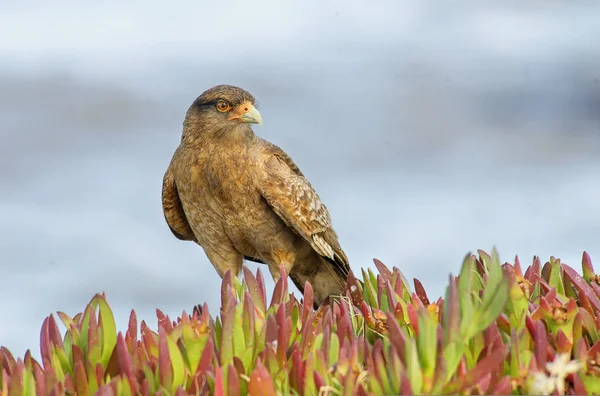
x,y
496,331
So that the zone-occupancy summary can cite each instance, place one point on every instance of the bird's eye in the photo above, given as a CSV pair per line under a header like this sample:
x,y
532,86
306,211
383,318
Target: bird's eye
x,y
222,105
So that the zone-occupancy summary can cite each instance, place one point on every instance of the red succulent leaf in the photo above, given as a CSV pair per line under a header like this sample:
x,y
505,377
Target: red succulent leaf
x,y
54,333
8,360
131,335
383,270
354,289
50,377
580,352
233,381
15,382
68,383
271,329
405,387
78,318
367,315
261,382
319,381
578,386
487,365
391,294
480,267
326,337
517,266
145,388
77,354
541,344
551,294
206,358
596,288
420,291
503,387
484,258
413,317
297,370
361,391
45,346
344,326
594,351
40,380
112,368
254,289
399,313
493,340
587,267
582,287
584,303
260,281
532,273
503,323
124,357
396,336
93,345
563,344
99,370
164,360
378,366
163,321
416,301
81,381
239,365
107,390
308,334
546,269
543,311
484,383
280,288
249,314
283,335
219,385
510,271
226,282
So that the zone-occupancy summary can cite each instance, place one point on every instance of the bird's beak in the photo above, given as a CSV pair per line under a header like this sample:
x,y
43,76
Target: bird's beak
x,y
251,115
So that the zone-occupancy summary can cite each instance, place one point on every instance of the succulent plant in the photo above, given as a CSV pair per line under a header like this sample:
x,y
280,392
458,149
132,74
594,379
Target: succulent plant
x,y
496,331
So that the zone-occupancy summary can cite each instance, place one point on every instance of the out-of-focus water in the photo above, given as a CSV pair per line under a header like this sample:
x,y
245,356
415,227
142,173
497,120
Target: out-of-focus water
x,y
428,129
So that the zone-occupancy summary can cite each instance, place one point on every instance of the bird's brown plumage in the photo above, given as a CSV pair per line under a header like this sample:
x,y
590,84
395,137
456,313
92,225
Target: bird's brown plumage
x,y
239,196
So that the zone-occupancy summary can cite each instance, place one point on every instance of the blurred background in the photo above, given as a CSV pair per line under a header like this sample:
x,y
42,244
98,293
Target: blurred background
x,y
429,129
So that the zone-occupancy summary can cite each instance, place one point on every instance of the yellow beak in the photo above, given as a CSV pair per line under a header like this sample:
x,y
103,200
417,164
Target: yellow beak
x,y
252,116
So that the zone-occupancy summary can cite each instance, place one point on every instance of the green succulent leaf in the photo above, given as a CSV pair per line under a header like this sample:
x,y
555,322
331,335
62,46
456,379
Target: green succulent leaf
x,y
496,327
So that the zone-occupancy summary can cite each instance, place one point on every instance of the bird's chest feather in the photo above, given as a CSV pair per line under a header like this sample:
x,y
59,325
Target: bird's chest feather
x,y
229,178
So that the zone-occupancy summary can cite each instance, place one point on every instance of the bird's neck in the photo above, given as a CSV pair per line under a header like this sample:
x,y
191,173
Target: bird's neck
x,y
236,135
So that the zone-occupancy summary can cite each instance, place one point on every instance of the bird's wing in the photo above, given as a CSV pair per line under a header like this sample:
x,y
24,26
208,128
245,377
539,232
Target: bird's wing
x,y
172,209
294,200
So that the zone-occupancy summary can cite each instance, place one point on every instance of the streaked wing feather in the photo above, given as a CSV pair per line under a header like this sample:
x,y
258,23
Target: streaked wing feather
x,y
173,210
291,196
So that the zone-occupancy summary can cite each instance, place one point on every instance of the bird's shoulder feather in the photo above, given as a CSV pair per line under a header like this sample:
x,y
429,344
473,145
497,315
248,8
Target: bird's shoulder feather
x,y
273,149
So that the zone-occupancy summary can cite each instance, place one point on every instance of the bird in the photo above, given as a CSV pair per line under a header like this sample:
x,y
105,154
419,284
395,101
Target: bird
x,y
241,197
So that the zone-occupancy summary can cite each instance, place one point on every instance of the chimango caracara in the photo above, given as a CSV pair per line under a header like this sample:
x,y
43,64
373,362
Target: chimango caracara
x,y
241,197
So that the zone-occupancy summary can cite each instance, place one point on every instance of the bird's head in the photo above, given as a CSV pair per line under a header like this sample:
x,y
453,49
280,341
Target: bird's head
x,y
222,108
